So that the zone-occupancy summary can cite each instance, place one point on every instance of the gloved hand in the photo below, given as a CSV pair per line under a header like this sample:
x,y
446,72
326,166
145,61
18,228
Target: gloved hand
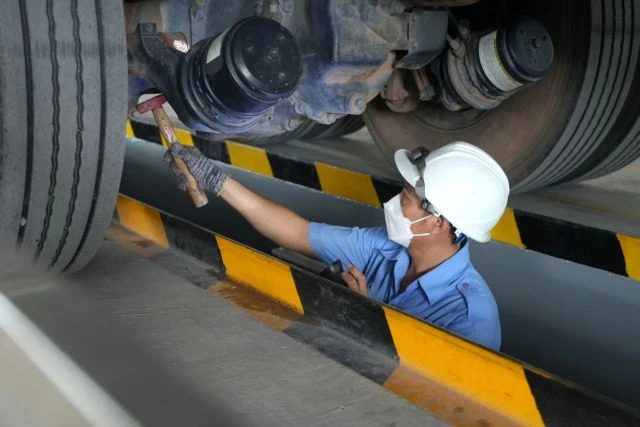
x,y
210,177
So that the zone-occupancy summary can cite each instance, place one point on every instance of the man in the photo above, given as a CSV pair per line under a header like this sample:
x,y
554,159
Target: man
x,y
420,262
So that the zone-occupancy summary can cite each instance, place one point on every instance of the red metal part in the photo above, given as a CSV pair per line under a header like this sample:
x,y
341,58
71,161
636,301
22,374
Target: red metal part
x,y
151,104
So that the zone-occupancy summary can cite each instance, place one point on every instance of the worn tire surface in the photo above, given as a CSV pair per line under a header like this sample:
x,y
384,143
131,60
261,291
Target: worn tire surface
x,y
62,114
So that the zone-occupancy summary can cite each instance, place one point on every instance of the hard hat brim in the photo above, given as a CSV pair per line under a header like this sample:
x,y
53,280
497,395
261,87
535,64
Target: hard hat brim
x,y
405,166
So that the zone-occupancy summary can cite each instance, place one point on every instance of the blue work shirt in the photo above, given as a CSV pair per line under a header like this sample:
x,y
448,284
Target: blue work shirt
x,y
453,295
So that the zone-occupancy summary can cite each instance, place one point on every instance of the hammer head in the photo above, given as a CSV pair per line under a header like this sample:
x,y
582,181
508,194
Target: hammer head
x,y
151,104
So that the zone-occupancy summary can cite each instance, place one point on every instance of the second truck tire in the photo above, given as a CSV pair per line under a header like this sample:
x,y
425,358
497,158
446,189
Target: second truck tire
x,y
581,121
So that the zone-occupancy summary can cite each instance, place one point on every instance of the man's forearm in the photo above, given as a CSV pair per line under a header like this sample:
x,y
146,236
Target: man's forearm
x,y
274,221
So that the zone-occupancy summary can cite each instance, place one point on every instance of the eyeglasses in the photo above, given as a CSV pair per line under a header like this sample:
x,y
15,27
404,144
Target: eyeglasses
x,y
428,207
418,157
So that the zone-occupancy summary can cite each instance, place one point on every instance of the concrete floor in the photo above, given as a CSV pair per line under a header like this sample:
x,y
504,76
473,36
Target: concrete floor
x,y
170,353
576,317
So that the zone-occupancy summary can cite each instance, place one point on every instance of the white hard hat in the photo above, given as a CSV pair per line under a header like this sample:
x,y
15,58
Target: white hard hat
x,y
461,182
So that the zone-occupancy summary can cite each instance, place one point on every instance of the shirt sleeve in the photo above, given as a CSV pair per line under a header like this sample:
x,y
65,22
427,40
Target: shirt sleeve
x,y
478,332
348,245
480,322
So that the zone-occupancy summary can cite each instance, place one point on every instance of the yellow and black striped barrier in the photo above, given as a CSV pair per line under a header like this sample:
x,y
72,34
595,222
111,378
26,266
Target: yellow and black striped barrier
x,y
606,250
462,383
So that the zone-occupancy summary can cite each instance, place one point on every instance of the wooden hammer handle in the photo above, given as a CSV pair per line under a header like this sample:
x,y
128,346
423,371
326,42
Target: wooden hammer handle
x,y
197,194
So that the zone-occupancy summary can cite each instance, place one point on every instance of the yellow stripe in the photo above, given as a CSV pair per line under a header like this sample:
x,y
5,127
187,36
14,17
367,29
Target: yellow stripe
x,y
485,377
506,230
251,158
631,250
142,220
266,275
184,137
257,305
129,130
344,183
139,245
450,405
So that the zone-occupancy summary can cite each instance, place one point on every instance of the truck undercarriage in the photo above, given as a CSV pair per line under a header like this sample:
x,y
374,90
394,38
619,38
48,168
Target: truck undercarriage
x,y
543,89
550,89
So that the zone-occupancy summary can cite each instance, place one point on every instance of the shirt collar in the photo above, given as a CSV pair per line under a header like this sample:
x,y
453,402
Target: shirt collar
x,y
435,282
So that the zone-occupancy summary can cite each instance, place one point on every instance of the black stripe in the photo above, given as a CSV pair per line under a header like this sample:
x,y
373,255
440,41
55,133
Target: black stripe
x,y
343,349
295,171
561,239
213,150
146,131
364,320
337,308
386,189
336,305
560,405
26,41
196,242
321,299
584,245
79,132
101,144
55,140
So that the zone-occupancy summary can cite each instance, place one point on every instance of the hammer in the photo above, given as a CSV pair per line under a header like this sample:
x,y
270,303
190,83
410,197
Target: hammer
x,y
155,106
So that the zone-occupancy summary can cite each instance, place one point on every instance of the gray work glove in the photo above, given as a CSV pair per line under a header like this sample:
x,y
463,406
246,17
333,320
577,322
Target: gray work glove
x,y
210,177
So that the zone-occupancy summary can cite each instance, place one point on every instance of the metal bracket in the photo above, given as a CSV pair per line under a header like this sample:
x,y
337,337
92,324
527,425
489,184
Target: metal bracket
x,y
427,37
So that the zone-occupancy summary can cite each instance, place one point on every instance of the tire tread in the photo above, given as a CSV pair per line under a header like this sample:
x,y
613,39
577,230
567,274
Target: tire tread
x,y
101,148
55,140
77,43
26,40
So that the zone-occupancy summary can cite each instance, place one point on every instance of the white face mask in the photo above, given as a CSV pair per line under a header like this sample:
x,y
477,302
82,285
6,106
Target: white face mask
x,y
398,226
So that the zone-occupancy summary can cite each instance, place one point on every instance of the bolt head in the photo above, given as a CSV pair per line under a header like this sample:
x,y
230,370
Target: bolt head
x,y
536,43
398,7
357,103
286,6
292,124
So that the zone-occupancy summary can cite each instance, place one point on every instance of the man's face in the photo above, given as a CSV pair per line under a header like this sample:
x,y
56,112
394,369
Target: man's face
x,y
412,209
411,204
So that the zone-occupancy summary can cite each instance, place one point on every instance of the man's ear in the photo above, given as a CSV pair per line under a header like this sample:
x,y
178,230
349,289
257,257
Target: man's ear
x,y
440,225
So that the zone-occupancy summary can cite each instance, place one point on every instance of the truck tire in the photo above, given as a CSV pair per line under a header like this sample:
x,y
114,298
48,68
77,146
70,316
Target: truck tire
x,y
581,121
62,114
342,127
311,130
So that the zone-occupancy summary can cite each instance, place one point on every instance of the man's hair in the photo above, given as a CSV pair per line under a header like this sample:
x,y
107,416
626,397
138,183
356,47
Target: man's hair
x,y
452,233
452,228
